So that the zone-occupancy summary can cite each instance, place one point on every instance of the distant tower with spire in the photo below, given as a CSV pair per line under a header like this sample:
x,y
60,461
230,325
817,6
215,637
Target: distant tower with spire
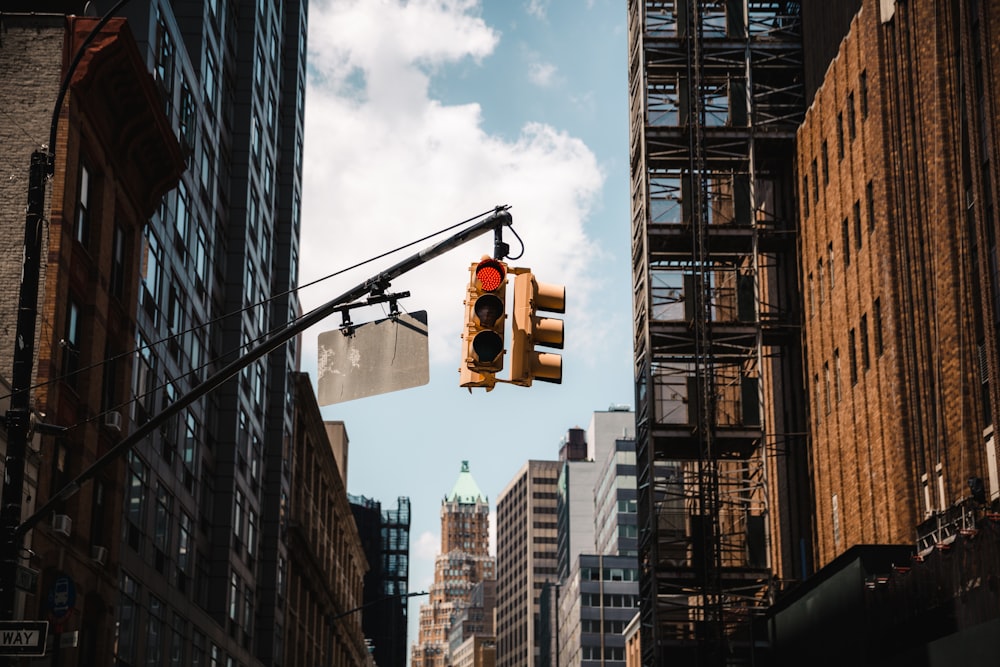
x,y
464,561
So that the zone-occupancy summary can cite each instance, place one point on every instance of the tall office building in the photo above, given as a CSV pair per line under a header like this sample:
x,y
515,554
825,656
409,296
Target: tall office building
x,y
716,96
204,562
464,561
584,612
385,538
526,560
899,262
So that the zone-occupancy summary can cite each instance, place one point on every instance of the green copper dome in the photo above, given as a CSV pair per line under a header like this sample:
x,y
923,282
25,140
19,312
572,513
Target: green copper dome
x,y
466,490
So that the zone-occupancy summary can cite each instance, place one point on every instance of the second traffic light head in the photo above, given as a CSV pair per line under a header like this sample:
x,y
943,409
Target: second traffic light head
x,y
531,329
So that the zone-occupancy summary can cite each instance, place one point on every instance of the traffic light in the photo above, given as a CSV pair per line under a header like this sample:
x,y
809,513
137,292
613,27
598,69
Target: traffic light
x,y
529,330
485,317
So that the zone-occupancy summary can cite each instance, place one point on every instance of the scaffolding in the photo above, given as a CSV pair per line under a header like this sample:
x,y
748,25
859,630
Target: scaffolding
x,y
715,98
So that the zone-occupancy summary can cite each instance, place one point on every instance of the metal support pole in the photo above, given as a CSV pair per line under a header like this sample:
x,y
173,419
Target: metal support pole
x,y
11,539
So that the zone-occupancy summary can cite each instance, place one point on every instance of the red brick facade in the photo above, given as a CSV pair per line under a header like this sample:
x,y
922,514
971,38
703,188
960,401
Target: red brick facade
x,y
892,297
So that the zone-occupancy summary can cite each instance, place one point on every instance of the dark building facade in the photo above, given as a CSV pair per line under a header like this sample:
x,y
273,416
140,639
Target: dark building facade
x,y
208,494
385,538
99,200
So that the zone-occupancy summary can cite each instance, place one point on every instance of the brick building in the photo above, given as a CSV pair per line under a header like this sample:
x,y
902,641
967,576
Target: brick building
x,y
463,562
101,194
898,262
327,563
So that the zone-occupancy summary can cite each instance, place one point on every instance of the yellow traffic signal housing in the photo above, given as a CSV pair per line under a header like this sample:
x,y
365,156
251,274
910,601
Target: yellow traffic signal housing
x,y
530,329
485,318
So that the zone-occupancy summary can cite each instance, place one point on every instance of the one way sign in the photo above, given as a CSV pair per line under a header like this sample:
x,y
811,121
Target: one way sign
x,y
23,637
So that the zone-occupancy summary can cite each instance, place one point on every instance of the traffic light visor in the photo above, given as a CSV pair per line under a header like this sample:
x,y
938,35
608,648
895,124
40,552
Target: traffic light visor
x,y
490,273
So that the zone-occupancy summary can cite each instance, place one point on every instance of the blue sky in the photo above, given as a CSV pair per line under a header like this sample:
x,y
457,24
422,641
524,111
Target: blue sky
x,y
418,115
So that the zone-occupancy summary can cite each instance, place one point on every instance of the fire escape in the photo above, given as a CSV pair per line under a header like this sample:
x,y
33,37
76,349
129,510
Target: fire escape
x,y
715,99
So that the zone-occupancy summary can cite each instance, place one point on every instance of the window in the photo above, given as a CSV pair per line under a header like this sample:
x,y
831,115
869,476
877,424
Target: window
x,y
151,276
826,164
164,515
238,514
234,597
863,90
187,120
207,167
829,251
836,374
870,205
177,641
143,381
184,543
865,359
852,357
268,178
827,403
877,314
255,136
70,344
210,75
857,224
181,218
164,68
819,272
812,297
128,621
272,112
251,532
840,136
805,195
846,233
851,129
815,177
201,258
81,222
117,278
819,396
135,501
154,632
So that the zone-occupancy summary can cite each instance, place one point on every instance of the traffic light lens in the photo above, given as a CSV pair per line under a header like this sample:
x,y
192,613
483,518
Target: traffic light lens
x,y
487,345
490,274
488,309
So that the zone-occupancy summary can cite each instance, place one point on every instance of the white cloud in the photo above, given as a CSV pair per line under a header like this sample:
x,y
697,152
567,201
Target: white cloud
x,y
542,74
385,164
537,8
426,547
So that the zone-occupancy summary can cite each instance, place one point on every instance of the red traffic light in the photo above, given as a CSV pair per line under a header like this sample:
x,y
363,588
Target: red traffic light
x,y
490,273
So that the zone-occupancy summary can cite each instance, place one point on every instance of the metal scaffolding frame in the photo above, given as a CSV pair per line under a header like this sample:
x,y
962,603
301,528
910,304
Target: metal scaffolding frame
x,y
715,98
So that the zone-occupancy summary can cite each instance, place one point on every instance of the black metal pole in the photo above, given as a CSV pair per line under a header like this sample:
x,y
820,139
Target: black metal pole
x,y
11,538
499,218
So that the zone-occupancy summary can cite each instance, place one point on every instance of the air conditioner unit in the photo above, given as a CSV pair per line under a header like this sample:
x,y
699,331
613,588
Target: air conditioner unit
x,y
62,524
99,555
113,420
